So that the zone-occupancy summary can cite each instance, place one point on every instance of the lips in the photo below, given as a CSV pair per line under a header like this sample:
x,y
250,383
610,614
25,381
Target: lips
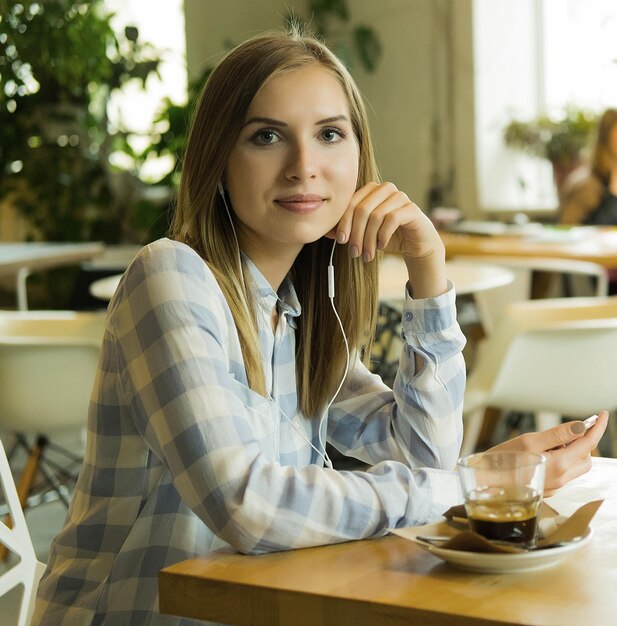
x,y
301,203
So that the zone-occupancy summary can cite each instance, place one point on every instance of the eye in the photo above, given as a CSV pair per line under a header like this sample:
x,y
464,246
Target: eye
x,y
265,137
332,135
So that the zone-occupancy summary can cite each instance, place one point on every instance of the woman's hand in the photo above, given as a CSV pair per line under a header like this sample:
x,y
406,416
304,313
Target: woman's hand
x,y
567,448
381,217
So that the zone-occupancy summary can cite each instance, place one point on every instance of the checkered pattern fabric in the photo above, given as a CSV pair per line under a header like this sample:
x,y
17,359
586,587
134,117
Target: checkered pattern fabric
x,y
183,458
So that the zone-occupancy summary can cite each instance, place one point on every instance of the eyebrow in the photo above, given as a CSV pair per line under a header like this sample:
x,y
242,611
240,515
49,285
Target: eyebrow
x,y
273,122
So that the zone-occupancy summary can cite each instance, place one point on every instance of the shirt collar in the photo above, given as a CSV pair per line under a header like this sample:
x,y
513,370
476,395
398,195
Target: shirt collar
x,y
265,295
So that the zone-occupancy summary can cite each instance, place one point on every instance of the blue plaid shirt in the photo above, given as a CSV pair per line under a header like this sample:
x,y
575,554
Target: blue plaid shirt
x,y
183,458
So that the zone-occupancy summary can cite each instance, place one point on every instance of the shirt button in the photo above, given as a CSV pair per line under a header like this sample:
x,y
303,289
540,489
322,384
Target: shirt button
x,y
408,316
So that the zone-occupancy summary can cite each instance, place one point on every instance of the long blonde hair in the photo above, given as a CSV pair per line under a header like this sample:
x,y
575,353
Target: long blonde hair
x,y
200,219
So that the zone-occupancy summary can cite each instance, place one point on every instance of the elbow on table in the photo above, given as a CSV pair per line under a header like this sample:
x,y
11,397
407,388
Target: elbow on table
x,y
246,527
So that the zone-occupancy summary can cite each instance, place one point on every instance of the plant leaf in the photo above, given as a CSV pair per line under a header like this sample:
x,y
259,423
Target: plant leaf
x,y
368,46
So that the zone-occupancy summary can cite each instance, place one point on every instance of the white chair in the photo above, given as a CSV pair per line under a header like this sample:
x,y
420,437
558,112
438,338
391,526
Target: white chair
x,y
28,571
48,363
552,357
590,279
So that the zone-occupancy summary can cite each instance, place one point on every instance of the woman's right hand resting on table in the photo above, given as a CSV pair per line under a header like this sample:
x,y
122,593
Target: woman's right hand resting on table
x,y
567,447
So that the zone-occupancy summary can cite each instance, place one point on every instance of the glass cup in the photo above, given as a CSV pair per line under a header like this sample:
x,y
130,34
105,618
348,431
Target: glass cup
x,y
503,492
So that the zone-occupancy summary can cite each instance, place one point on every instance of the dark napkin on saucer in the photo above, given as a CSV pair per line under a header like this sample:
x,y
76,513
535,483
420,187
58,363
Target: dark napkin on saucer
x,y
570,529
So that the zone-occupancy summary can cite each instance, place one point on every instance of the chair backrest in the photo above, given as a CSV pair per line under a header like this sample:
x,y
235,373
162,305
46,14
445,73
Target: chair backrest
x,y
48,364
493,303
557,355
387,343
28,570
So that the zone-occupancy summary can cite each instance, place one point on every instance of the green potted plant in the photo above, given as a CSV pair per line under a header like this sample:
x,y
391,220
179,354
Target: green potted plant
x,y
562,139
60,62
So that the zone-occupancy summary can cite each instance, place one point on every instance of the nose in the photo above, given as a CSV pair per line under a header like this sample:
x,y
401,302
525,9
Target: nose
x,y
302,161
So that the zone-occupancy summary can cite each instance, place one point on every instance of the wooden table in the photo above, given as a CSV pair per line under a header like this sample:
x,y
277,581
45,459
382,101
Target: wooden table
x,y
598,245
21,259
392,581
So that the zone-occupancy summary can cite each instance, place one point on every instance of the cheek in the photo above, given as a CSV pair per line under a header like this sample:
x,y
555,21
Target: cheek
x,y
347,182
347,170
242,179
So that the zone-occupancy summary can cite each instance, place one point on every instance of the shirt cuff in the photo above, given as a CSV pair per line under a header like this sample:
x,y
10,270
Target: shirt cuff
x,y
429,315
445,491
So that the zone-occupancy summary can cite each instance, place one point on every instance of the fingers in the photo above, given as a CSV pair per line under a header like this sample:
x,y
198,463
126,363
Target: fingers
x,y
567,448
345,224
374,213
557,437
591,438
571,461
567,434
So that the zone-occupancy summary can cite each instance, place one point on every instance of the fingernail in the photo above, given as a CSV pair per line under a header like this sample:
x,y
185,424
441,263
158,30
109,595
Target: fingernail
x,y
354,252
367,256
379,245
341,237
576,428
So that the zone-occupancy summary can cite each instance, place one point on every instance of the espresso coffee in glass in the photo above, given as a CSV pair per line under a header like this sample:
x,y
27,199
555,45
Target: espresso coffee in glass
x,y
509,514
503,492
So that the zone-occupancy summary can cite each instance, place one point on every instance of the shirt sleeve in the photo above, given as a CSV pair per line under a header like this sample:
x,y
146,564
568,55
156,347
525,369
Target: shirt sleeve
x,y
172,331
419,422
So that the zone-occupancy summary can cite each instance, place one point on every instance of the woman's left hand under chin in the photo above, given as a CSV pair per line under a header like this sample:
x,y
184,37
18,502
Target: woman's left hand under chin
x,y
381,217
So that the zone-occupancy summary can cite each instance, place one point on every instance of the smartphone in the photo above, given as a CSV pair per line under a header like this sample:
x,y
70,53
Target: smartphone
x,y
590,421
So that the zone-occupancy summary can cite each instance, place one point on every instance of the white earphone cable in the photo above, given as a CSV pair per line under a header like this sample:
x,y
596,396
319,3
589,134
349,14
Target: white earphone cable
x,y
331,292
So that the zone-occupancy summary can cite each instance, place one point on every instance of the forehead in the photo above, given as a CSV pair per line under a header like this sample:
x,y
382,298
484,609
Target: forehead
x,y
308,88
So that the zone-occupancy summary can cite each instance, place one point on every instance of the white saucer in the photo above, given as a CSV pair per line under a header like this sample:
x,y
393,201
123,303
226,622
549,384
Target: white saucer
x,y
496,563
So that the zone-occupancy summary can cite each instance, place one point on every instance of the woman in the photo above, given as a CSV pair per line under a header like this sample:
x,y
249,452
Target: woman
x,y
223,357
590,195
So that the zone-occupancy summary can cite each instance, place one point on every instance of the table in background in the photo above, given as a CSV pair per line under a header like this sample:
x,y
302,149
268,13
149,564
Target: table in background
x,y
21,259
104,288
113,262
467,277
394,581
588,243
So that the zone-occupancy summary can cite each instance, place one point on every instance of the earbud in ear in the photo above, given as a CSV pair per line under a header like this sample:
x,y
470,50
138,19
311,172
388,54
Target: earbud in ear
x,y
221,190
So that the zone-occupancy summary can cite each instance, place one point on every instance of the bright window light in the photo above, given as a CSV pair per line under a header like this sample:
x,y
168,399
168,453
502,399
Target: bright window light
x,y
531,57
133,109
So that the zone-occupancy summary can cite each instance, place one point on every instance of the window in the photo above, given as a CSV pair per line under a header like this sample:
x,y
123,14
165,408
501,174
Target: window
x,y
534,56
162,25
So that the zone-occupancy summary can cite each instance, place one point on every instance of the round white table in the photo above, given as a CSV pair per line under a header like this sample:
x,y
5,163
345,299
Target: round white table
x,y
21,259
468,277
104,288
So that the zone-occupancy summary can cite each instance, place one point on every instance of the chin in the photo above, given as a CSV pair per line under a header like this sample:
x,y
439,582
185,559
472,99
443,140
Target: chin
x,y
307,236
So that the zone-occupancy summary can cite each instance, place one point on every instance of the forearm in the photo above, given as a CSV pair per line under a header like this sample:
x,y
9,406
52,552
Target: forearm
x,y
427,275
420,421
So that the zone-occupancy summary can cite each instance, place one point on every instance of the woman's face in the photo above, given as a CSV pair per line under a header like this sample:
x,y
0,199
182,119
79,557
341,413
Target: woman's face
x,y
294,167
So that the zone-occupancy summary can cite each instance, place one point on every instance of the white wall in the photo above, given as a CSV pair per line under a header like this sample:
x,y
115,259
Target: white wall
x,y
420,98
